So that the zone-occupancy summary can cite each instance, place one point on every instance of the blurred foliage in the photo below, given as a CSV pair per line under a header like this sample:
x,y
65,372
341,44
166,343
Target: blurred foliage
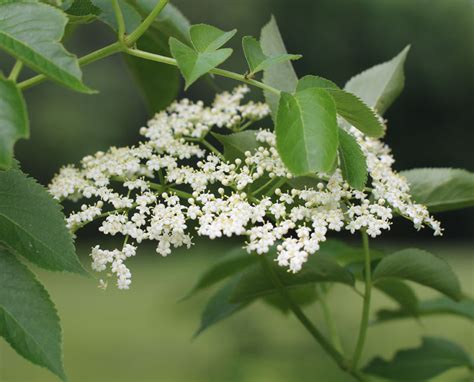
x,y
337,39
145,335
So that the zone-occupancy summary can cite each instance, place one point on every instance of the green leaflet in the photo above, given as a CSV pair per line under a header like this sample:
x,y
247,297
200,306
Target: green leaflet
x,y
28,319
441,189
380,85
31,32
235,145
433,357
219,306
14,122
206,38
348,106
302,294
206,55
352,160
229,264
257,60
421,267
32,225
441,305
281,76
400,292
255,283
307,131
160,83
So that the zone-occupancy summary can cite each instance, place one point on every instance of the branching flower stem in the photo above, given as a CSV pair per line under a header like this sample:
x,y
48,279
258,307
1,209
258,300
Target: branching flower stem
x,y
120,20
366,308
334,335
305,321
15,70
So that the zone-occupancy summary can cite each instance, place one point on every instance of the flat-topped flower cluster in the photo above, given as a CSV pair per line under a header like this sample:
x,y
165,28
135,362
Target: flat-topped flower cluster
x,y
178,184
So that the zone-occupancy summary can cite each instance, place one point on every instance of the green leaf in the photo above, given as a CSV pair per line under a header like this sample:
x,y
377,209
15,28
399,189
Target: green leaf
x,y
281,76
257,60
80,11
255,283
432,358
206,38
32,225
219,308
357,113
194,63
400,292
348,106
235,145
131,16
229,264
441,189
345,254
160,83
352,160
307,131
31,32
311,81
421,267
380,85
13,120
302,295
28,319
441,305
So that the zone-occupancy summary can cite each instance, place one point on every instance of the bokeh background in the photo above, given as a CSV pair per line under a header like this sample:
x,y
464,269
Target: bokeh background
x,y
144,335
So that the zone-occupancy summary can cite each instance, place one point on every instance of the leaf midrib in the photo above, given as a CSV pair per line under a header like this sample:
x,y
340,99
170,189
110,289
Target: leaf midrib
x,y
50,362
34,238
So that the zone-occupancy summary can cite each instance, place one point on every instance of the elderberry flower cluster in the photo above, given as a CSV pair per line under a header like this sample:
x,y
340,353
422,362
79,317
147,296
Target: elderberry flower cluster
x,y
178,183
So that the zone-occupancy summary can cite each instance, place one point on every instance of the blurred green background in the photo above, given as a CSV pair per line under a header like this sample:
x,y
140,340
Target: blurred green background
x,y
143,335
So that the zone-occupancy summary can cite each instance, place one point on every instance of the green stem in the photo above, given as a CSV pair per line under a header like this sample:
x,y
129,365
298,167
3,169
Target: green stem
x,y
15,70
142,28
329,321
366,308
317,335
278,184
85,60
120,20
217,71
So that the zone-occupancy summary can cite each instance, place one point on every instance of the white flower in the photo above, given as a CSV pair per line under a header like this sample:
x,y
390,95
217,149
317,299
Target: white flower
x,y
171,187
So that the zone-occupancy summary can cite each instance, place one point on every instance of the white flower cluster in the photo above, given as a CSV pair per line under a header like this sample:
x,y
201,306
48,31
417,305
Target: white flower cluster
x,y
177,184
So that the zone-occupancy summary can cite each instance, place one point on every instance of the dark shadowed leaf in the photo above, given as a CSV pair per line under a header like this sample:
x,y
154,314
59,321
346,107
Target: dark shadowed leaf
x,y
255,282
32,224
281,76
229,264
421,267
380,85
219,308
437,306
31,31
441,189
400,292
13,120
303,295
235,145
28,319
307,131
160,83
432,358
